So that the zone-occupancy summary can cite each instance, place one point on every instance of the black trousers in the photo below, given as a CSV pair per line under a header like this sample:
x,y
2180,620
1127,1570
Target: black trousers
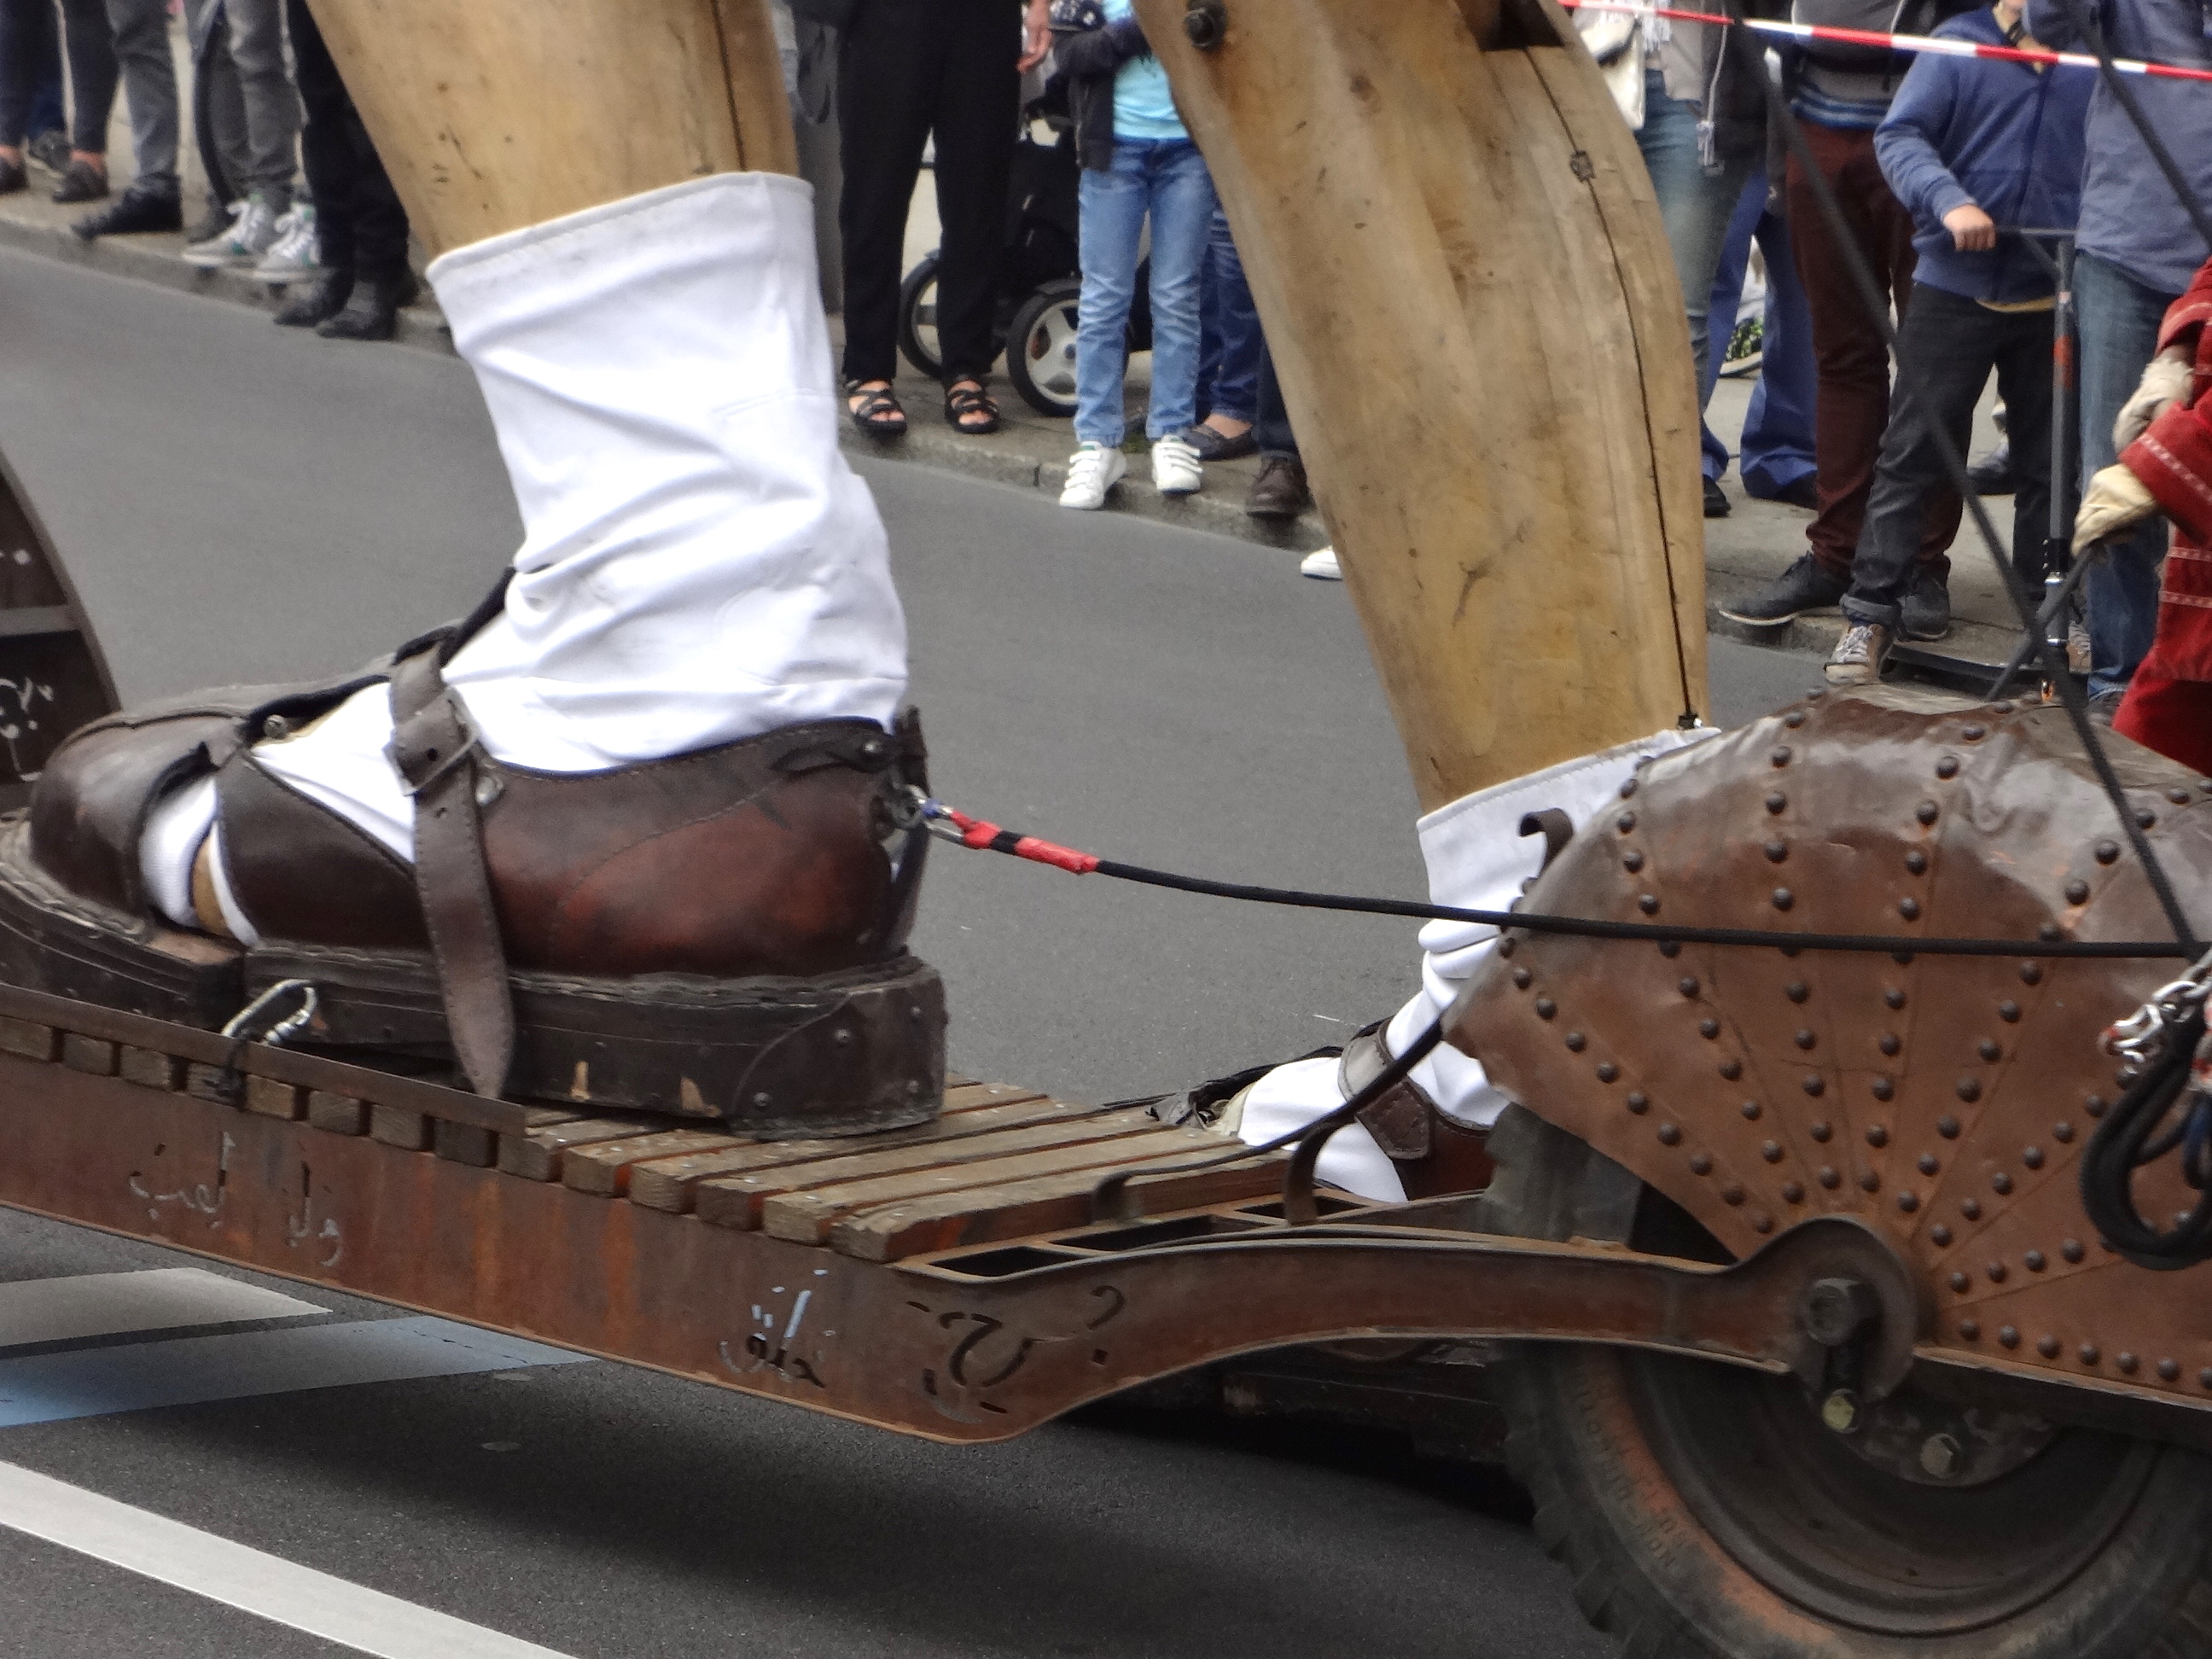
x,y
1272,430
909,69
1945,350
358,217
27,50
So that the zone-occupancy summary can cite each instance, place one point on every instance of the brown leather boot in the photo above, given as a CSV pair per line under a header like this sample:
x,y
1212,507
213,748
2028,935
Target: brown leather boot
x,y
719,934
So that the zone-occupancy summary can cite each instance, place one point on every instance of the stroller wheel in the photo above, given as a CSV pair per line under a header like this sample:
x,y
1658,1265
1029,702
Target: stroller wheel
x,y
917,332
1041,348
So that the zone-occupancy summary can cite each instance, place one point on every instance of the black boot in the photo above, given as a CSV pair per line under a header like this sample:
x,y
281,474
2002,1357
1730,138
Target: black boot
x,y
317,301
371,311
131,214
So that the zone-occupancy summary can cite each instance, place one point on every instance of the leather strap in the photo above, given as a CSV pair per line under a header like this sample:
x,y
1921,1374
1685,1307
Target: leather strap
x,y
435,751
1402,1119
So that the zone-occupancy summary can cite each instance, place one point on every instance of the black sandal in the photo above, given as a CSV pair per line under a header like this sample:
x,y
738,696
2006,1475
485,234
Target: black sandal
x,y
877,413
967,398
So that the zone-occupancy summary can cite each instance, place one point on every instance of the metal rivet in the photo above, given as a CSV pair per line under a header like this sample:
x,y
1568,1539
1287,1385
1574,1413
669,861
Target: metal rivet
x,y
2146,819
1796,990
1871,1181
1648,902
2089,1352
1793,719
2031,973
1638,1102
1506,946
1960,1283
1805,1039
2034,1262
1522,978
1608,1072
1925,811
2095,1105
2204,1377
2047,1346
2106,852
1771,1152
1970,1329
1700,1163
1947,767
1624,822
2009,1012
2051,932
1909,908
1971,1208
1908,1202
763,1098
2077,891
1882,1089
2072,1250
1777,851
1577,1042
1815,1085
1669,1135
1670,948
2002,706
1632,862
2008,1336
2126,1362
1731,1193
2032,1156
1784,898
1546,1007
1709,1029
1731,1069
1877,1135
1972,734
1893,998
1939,1233
1889,1043
2062,1132
2001,1183
1762,1223
1628,788
1750,1111
1776,801
1781,755
1820,1132
1970,1089
2168,1370
2178,795
1947,1127
1828,1178
1687,985
1792,1192
1929,1164
1916,861
1989,1050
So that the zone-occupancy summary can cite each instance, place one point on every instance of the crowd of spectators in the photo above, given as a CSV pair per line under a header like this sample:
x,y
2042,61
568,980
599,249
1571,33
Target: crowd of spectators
x,y
296,195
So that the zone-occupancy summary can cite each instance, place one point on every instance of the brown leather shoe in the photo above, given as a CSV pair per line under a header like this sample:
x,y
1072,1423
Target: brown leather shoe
x,y
721,933
1279,491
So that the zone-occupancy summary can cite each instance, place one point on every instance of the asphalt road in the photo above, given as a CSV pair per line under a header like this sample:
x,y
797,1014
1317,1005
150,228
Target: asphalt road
x,y
240,502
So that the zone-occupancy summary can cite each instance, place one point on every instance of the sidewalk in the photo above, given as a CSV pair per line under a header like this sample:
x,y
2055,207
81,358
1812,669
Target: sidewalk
x,y
1744,550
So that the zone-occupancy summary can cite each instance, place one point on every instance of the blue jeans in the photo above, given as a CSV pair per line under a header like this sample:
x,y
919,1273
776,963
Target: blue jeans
x,y
2119,320
1229,332
1776,448
1166,179
1694,205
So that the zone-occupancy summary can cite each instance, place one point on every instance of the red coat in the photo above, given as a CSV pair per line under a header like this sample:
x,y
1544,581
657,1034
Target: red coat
x,y
2169,701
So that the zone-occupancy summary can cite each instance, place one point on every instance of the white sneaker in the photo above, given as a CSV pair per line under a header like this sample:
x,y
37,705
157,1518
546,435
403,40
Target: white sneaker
x,y
296,254
1322,566
251,235
1091,471
1176,467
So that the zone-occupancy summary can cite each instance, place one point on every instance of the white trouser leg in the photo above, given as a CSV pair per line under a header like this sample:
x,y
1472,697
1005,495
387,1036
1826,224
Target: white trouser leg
x,y
699,564
1477,859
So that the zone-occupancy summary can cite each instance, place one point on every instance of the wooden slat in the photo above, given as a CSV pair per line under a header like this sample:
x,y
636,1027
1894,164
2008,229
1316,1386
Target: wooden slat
x,y
28,1038
602,1169
464,1143
968,1096
537,1155
736,1201
150,1068
84,1053
271,1098
1043,1204
395,1126
669,1184
340,1115
215,1083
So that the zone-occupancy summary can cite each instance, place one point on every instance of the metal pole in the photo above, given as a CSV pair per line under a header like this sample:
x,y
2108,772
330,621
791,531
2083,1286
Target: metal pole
x,y
2065,415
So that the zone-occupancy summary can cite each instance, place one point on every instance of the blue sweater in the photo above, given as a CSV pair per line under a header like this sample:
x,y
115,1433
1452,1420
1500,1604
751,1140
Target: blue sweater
x,y
1999,136
2129,216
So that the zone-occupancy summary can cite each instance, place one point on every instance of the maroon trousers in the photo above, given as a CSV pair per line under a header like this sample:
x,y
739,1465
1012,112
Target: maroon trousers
x,y
1851,406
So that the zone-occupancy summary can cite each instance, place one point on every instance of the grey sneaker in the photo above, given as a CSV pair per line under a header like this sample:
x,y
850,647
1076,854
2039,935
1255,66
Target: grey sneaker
x,y
50,151
297,253
1857,659
1925,612
251,235
1806,586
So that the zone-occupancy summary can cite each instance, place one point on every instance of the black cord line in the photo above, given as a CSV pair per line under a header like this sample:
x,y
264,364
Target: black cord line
x,y
1751,60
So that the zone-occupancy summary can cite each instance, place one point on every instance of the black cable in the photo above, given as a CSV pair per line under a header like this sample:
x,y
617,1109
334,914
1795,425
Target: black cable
x,y
2128,1139
1751,60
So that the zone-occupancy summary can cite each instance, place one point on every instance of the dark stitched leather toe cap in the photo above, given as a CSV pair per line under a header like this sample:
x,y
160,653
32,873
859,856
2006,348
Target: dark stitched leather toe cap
x,y
89,805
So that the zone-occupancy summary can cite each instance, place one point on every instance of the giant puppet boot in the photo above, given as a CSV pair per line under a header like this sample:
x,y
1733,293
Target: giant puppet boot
x,y
634,833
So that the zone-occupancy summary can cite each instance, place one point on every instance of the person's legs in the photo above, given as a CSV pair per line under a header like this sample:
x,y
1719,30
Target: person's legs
x,y
1695,206
89,41
976,110
20,56
2024,379
149,85
886,98
1271,424
1234,393
1777,452
326,149
218,105
48,112
1945,348
2119,324
1181,208
1113,217
256,30
1722,305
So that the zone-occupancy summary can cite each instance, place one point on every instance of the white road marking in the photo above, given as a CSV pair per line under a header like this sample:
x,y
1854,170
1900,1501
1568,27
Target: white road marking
x,y
267,1586
194,1369
106,1304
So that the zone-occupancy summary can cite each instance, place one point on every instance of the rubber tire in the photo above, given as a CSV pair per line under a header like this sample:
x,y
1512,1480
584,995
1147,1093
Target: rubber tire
x,y
1648,1572
1051,296
919,281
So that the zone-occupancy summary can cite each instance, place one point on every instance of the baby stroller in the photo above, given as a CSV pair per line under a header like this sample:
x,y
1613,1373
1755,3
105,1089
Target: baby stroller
x,y
1039,280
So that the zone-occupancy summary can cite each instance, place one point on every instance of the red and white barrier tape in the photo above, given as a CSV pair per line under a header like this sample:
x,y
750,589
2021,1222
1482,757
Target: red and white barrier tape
x,y
1938,46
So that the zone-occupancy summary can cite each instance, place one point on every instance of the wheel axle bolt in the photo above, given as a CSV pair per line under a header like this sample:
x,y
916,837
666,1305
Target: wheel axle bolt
x,y
1836,1310
1840,1410
1939,1455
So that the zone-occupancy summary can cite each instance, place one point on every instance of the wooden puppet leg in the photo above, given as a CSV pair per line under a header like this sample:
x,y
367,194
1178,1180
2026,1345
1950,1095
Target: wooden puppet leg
x,y
1468,294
